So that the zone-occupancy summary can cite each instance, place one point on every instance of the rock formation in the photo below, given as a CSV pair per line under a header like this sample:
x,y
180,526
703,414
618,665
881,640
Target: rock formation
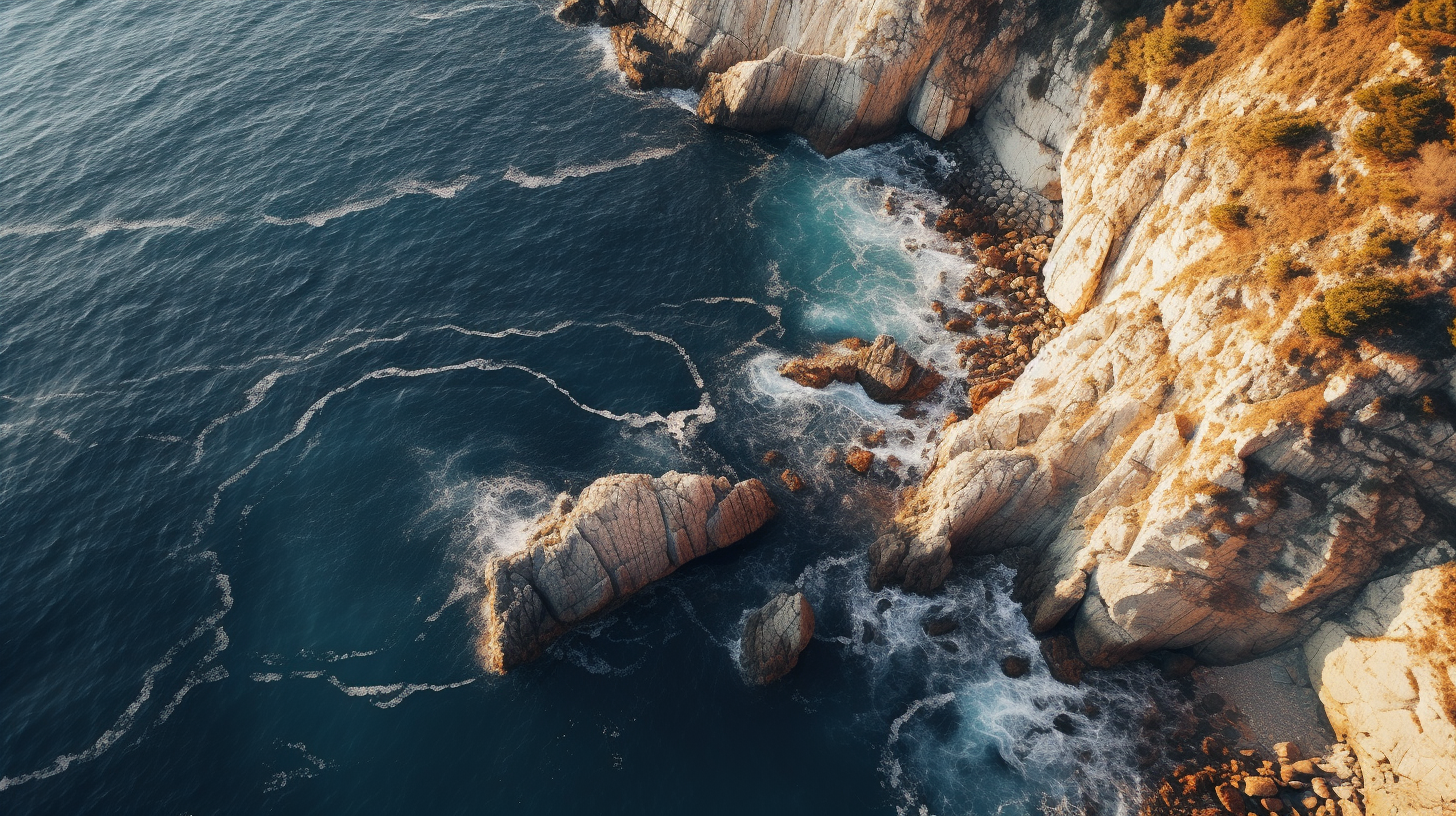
x,y
842,73
774,636
1387,677
621,534
886,372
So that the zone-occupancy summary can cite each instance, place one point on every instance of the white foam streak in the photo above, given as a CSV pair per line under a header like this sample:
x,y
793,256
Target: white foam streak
x,y
93,229
396,692
528,181
398,190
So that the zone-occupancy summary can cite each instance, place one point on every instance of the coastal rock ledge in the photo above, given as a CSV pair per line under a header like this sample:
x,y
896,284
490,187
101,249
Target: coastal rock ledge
x,y
886,372
589,554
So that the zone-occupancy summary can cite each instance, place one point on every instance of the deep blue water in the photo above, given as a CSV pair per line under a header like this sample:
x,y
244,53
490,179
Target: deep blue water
x,y
308,307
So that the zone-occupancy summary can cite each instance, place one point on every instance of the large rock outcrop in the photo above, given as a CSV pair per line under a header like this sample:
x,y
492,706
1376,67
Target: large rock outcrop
x,y
586,555
886,372
1185,467
843,73
1387,677
774,635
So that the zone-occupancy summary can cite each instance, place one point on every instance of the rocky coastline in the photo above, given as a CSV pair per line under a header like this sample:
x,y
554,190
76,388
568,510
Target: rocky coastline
x,y
1180,465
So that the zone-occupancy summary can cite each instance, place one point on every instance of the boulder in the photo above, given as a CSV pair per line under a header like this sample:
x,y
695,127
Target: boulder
x,y
774,636
1015,666
859,460
887,372
589,554
1260,787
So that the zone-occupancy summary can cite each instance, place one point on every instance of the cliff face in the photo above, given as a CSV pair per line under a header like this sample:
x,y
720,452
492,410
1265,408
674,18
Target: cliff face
x,y
1185,467
1387,678
842,74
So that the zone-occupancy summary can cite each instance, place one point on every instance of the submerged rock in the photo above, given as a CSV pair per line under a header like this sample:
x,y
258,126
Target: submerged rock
x,y
774,636
887,372
621,534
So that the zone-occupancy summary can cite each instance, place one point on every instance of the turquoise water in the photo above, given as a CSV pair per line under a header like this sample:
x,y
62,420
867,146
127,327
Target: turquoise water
x,y
309,306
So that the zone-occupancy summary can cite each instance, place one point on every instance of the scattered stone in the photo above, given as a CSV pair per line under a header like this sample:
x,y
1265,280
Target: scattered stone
x,y
1305,767
1345,791
868,635
792,481
875,439
1287,751
1064,723
883,605
1260,787
893,462
586,554
774,636
937,626
1015,666
949,645
1231,800
771,457
1063,660
859,460
1321,788
1272,804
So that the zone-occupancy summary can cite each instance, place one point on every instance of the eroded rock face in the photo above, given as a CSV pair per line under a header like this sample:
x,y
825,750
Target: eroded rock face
x,y
1387,677
774,636
621,534
843,73
887,372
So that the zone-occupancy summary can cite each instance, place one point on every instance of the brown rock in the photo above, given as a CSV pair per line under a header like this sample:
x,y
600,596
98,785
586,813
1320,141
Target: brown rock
x,y
792,481
1287,752
772,457
774,636
893,462
1321,788
859,460
1015,666
983,393
1260,787
887,373
621,534
1063,660
1272,804
876,439
1231,800
1305,767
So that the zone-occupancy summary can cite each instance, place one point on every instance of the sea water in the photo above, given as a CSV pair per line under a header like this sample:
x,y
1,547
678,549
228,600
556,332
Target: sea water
x,y
310,307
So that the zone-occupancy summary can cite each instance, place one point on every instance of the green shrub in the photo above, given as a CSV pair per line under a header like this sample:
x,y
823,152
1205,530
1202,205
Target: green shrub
x,y
1382,245
1324,15
1281,267
1407,114
1315,321
1428,27
1283,130
1364,305
1271,13
1229,217
1142,55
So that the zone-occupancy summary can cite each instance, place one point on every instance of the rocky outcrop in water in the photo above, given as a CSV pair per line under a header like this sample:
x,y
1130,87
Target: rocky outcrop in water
x,y
774,635
588,554
1386,674
842,74
886,372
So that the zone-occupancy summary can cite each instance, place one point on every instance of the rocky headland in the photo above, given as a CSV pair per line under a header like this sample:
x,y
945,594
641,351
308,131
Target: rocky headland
x,y
591,553
1209,347
774,635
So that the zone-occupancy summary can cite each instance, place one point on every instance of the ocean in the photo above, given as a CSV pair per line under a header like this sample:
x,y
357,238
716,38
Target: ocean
x,y
309,308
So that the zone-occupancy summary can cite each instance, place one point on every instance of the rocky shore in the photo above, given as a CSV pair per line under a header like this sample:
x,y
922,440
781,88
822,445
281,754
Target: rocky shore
x,y
1183,453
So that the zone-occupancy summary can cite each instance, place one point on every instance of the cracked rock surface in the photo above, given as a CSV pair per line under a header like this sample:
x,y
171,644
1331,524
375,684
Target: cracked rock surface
x,y
774,636
622,533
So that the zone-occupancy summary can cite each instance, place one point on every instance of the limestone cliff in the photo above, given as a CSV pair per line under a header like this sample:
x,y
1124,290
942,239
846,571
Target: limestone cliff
x,y
843,73
587,555
1185,467
1386,674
